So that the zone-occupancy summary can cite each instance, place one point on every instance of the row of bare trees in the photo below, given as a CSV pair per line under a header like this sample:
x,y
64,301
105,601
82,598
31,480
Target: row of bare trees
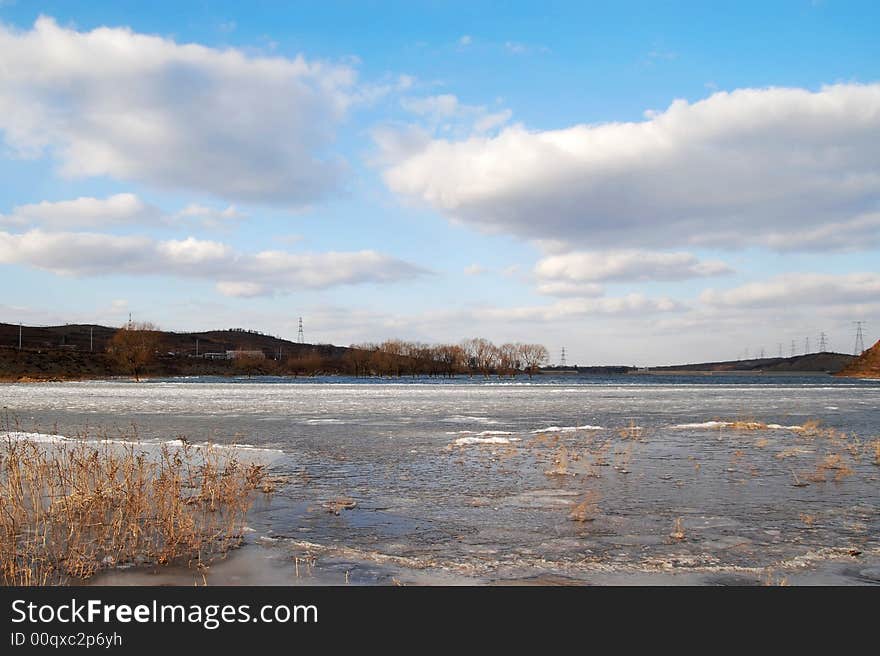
x,y
134,348
471,356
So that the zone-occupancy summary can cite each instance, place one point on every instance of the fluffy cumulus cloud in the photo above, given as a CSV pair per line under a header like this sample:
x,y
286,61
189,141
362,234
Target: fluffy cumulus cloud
x,y
799,289
785,168
112,102
569,270
84,212
236,274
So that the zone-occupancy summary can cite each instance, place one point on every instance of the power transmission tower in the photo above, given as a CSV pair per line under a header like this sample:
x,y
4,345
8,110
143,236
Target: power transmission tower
x,y
823,342
300,336
860,338
806,344
792,348
762,352
780,350
562,362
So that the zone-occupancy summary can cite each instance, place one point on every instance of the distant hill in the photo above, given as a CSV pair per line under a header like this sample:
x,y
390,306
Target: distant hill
x,y
79,351
867,365
825,362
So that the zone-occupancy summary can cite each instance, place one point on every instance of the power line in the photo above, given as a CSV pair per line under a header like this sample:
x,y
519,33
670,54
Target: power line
x,y
860,338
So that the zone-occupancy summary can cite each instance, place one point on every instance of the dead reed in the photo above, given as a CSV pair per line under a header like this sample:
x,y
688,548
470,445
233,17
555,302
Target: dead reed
x,y
71,508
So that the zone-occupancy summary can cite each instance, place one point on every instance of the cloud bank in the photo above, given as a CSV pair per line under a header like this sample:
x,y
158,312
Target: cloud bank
x,y
785,168
112,102
236,274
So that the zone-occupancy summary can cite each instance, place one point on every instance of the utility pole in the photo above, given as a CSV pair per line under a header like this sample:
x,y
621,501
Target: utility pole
x,y
19,335
197,347
860,338
91,339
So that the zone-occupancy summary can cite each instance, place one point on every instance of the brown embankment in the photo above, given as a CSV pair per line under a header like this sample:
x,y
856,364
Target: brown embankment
x,y
865,366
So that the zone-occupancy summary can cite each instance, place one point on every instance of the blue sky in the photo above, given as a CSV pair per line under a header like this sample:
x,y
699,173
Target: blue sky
x,y
642,183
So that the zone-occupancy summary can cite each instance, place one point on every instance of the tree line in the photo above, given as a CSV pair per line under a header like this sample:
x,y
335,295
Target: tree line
x,y
476,356
135,348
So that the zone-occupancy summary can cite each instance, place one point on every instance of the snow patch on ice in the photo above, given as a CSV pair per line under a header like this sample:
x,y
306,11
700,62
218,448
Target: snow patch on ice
x,y
494,439
566,429
481,433
726,424
45,438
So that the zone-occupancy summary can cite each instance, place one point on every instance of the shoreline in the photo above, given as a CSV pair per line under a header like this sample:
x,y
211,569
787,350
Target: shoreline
x,y
708,373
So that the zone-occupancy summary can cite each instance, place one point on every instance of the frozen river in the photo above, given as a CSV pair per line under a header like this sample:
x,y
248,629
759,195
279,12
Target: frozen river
x,y
626,479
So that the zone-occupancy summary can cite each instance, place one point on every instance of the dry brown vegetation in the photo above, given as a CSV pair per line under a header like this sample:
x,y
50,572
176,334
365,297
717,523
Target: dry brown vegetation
x,y
472,356
134,346
70,509
678,533
875,447
587,509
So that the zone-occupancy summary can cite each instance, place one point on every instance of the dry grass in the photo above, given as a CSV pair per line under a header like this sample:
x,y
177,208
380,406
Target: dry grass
x,y
339,504
560,464
632,431
68,510
678,533
875,447
741,425
809,520
587,509
833,462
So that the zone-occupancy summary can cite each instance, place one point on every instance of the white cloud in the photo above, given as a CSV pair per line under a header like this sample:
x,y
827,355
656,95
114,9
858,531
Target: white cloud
x,y
570,288
145,108
116,210
465,40
568,271
442,106
237,274
84,212
636,305
800,289
446,111
210,217
733,170
474,270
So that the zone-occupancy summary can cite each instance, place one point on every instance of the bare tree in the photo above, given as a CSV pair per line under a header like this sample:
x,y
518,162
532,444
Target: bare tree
x,y
533,355
509,359
134,346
